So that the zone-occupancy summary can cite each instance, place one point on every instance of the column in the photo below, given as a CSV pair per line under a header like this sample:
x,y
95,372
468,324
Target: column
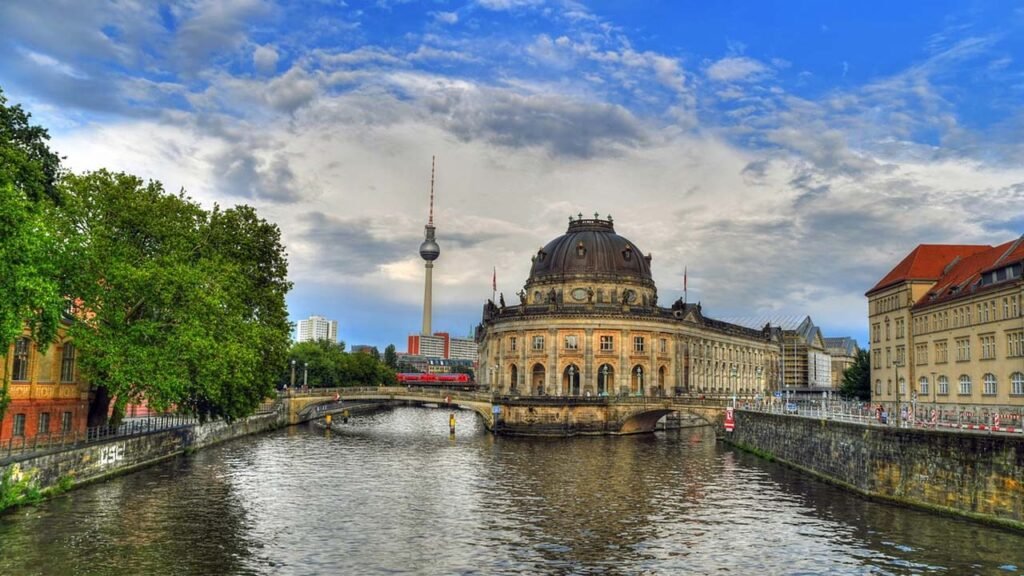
x,y
588,362
553,377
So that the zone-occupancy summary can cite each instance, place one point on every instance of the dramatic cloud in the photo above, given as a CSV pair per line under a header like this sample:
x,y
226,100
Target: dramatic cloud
x,y
782,184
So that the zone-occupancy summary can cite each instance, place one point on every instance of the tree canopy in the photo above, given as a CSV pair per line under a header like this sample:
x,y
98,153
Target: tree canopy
x,y
325,364
177,304
857,377
29,288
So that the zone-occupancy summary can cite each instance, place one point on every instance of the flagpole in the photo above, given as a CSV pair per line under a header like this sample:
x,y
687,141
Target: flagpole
x,y
494,283
684,285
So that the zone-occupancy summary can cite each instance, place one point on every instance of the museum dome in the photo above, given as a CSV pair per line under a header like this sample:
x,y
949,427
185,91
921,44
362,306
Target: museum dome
x,y
590,249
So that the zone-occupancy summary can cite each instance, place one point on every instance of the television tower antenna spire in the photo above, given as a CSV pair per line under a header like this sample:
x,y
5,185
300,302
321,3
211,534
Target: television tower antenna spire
x,y
430,219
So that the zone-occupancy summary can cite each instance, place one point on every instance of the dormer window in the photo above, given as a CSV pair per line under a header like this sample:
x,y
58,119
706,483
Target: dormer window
x,y
627,253
541,254
581,250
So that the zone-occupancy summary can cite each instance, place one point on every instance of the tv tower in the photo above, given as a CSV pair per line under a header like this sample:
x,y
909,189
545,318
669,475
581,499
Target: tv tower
x,y
429,251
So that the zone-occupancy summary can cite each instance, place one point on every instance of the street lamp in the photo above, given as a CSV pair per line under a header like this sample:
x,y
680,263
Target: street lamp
x,y
305,374
732,372
293,374
760,383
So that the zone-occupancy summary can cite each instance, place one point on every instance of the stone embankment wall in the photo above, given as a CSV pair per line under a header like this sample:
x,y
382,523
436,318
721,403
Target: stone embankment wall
x,y
103,459
976,475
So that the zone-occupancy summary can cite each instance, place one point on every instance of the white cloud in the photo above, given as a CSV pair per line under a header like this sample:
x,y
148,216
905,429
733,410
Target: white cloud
x,y
446,17
265,58
736,69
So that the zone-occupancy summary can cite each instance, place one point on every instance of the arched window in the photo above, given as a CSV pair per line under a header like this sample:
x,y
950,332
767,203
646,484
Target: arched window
x,y
1017,384
878,387
638,376
571,380
942,386
989,385
513,377
537,382
965,385
605,379
922,386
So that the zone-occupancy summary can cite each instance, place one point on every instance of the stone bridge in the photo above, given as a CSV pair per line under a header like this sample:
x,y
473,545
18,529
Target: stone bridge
x,y
527,415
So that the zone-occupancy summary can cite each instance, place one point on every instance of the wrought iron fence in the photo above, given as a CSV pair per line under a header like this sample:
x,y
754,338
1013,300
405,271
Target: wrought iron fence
x,y
55,441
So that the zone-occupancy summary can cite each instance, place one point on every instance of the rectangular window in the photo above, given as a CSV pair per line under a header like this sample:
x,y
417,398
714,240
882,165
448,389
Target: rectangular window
x,y
512,343
44,423
941,352
638,344
921,354
876,332
888,357
571,343
67,363
663,346
899,328
1015,344
924,386
65,422
19,371
878,358
942,387
1017,384
19,425
901,355
988,346
538,342
989,385
965,386
963,349
607,344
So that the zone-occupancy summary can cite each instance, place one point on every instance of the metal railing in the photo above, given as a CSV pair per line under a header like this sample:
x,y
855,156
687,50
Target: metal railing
x,y
919,415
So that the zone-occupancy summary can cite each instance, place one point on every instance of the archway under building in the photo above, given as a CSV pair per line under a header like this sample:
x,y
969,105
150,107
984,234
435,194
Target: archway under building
x,y
605,379
571,380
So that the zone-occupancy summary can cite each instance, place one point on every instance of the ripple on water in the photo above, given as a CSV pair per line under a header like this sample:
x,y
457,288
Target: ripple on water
x,y
391,493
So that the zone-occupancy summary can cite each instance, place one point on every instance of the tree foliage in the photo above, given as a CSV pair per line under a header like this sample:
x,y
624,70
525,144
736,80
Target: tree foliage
x,y
326,365
857,377
29,289
179,305
25,157
391,357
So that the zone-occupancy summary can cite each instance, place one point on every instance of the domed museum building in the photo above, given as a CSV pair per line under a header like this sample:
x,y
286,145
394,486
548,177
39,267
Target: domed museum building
x,y
588,323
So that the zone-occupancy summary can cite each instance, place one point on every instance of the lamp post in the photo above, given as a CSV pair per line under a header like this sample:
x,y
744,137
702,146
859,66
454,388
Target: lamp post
x,y
732,373
305,374
572,371
760,384
293,374
895,414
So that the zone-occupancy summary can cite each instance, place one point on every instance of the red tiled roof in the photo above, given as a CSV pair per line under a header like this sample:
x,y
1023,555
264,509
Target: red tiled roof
x,y
926,262
957,281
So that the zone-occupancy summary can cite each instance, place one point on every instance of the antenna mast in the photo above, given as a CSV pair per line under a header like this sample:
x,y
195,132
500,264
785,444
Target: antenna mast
x,y
430,220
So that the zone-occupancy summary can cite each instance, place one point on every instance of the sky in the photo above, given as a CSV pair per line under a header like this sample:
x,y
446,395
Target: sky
x,y
787,155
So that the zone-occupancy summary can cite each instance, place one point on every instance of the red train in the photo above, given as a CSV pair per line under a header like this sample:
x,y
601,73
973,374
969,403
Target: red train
x,y
458,381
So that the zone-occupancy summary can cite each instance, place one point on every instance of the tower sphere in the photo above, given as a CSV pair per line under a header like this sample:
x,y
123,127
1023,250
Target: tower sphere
x,y
429,250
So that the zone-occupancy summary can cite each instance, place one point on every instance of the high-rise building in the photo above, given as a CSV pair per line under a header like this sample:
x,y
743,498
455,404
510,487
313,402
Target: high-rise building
x,y
316,328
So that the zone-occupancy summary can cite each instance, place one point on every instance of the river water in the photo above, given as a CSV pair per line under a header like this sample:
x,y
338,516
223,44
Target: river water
x,y
392,493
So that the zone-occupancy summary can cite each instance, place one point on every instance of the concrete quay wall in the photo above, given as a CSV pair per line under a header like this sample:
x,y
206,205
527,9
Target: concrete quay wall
x,y
980,476
96,461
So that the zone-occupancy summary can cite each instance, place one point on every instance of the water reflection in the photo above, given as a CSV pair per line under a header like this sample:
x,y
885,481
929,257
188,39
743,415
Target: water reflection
x,y
393,493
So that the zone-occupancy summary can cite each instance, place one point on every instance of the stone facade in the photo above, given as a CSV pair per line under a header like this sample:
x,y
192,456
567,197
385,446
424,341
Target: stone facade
x,y
975,475
947,327
47,394
588,324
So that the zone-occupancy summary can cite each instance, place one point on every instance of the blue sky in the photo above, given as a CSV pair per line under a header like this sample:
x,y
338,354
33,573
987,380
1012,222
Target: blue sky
x,y
788,154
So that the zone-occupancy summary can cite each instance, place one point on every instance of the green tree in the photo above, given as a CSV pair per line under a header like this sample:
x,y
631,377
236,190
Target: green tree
x,y
179,305
29,288
25,157
391,357
857,377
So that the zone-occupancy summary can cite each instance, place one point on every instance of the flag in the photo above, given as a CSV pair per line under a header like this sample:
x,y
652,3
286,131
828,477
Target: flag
x,y
494,280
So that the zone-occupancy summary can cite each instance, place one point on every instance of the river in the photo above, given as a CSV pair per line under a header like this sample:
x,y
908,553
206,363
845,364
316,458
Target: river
x,y
392,493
